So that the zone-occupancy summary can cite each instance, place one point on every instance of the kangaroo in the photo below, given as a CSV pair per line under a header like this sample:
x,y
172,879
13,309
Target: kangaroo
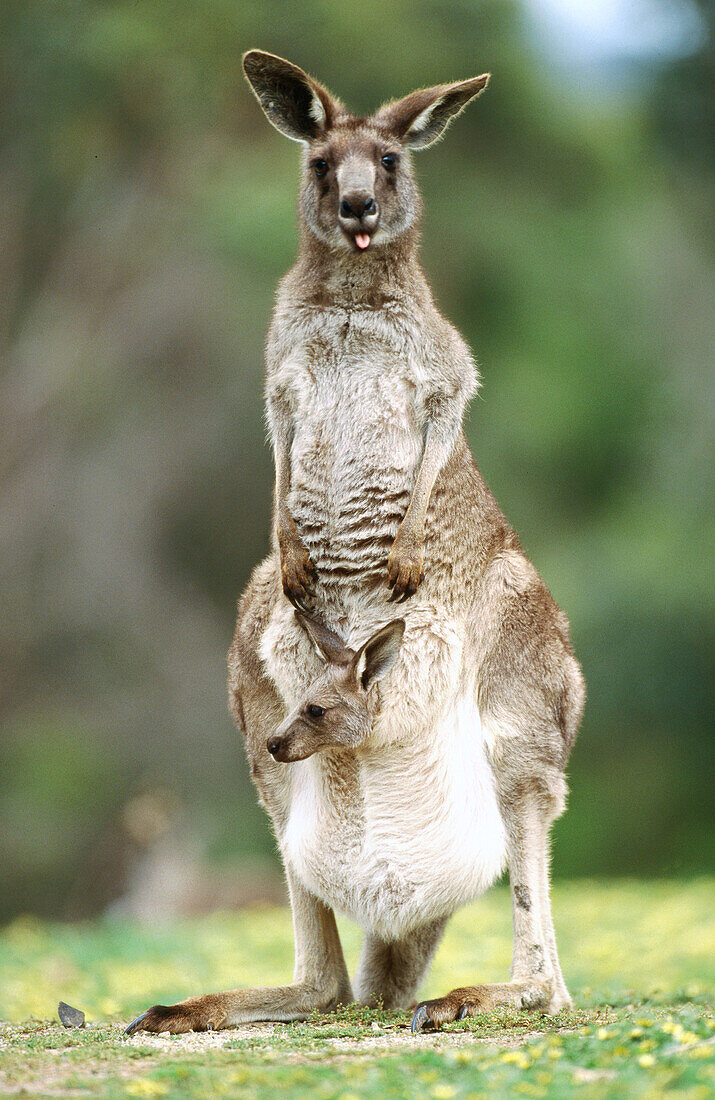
x,y
404,763
339,708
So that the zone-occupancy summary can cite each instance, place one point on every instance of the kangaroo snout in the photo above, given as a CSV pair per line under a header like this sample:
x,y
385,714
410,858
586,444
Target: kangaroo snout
x,y
357,205
286,748
358,215
280,748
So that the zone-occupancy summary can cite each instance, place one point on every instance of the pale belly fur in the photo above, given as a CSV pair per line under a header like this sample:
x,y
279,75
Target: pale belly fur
x,y
402,835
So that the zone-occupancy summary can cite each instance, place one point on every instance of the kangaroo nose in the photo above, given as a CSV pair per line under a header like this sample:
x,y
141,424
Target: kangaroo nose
x,y
273,745
357,205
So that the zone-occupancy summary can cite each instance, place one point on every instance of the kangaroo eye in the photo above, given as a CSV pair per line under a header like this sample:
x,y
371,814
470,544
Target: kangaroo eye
x,y
389,161
315,712
320,167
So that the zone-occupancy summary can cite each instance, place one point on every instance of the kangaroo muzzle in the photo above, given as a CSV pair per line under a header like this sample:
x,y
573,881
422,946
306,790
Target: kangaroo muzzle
x,y
291,745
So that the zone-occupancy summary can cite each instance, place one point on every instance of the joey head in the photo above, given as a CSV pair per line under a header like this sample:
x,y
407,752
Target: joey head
x,y
341,704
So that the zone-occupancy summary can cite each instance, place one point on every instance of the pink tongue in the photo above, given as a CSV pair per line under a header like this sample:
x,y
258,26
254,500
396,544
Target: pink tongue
x,y
362,240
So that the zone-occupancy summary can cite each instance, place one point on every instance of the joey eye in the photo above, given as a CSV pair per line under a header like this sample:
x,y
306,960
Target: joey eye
x,y
389,161
320,167
314,711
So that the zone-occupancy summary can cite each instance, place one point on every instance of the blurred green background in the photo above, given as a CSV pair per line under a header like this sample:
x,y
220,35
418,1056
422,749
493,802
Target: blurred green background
x,y
147,211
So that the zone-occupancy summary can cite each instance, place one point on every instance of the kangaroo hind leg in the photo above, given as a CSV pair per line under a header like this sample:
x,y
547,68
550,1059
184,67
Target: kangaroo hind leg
x,y
536,980
320,982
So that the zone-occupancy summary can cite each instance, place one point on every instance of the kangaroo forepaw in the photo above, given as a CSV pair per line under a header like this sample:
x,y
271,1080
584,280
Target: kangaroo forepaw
x,y
178,1018
404,571
297,573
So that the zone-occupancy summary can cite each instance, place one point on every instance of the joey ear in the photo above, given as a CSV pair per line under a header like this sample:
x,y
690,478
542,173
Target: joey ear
x,y
329,645
422,117
293,102
379,653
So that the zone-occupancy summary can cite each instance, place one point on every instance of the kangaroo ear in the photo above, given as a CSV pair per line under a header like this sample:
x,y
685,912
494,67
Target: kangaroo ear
x,y
295,103
379,653
422,117
329,645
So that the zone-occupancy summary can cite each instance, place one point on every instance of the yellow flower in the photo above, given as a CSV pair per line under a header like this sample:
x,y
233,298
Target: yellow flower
x,y
517,1057
637,1032
604,1033
646,1060
443,1092
528,1089
701,1051
144,1086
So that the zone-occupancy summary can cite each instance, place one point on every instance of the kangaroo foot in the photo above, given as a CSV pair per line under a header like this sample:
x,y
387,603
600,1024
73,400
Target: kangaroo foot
x,y
475,999
195,1014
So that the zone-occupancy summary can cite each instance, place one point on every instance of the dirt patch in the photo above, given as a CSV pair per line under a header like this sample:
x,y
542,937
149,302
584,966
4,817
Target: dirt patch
x,y
381,1039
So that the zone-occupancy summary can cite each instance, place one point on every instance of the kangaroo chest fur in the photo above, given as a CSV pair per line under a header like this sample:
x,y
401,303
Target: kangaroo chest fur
x,y
356,389
401,835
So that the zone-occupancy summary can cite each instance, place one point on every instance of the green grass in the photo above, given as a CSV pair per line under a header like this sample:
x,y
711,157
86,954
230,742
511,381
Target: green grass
x,y
638,959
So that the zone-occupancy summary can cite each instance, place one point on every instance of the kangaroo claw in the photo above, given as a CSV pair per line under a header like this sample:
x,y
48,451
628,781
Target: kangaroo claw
x,y
135,1025
404,576
298,602
420,1020
297,573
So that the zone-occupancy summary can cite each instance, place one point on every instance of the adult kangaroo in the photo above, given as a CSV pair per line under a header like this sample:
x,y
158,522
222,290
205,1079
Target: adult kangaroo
x,y
445,761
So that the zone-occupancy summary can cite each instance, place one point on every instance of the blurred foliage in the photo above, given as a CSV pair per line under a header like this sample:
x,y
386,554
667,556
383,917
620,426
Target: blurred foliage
x,y
148,210
619,942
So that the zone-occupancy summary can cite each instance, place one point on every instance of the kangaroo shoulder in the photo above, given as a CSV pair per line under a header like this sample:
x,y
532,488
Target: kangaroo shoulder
x,y
447,361
459,364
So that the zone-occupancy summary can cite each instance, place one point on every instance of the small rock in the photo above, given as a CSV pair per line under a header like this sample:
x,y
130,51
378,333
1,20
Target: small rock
x,y
164,1034
70,1017
376,1027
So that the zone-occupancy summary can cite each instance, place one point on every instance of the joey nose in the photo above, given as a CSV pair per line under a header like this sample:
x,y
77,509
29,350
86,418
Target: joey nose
x,y
274,745
358,204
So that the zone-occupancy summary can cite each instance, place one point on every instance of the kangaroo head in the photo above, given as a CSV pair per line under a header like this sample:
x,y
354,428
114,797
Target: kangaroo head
x,y
341,703
358,190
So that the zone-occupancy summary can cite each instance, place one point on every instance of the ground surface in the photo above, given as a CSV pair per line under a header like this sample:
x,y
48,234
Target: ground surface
x,y
637,957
